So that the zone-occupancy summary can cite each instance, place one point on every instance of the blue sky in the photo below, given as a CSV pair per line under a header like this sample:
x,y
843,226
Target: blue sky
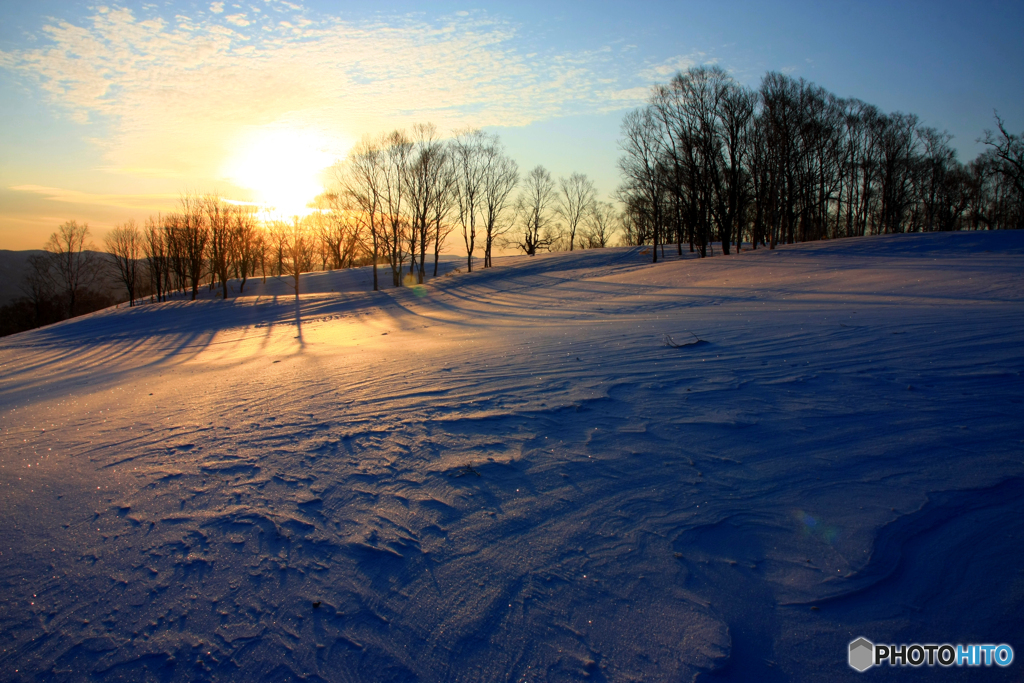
x,y
110,111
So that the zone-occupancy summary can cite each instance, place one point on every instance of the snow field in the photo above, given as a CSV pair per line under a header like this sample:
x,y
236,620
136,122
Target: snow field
x,y
508,474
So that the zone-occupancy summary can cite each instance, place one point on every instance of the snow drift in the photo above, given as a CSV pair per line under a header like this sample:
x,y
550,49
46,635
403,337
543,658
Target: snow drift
x,y
510,474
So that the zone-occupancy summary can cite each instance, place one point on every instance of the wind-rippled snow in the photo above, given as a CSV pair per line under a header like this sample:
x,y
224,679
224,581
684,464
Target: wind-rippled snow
x,y
509,474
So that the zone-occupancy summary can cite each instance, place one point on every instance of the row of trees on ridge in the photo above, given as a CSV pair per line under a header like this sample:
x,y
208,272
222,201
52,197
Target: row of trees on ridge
x,y
705,160
710,160
395,201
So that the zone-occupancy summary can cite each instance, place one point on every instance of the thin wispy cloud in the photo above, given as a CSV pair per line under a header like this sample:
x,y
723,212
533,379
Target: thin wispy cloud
x,y
77,197
662,71
178,93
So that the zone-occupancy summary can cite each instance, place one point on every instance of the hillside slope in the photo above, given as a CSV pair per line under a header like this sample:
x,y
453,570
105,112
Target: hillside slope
x,y
512,474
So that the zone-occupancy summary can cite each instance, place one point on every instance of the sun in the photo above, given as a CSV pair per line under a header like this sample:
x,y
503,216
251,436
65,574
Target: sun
x,y
282,165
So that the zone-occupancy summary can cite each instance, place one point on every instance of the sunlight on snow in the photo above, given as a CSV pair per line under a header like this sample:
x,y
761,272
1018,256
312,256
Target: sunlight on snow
x,y
515,473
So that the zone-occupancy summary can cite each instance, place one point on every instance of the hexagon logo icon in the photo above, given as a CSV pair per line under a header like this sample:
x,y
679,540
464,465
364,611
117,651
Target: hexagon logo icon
x,y
862,654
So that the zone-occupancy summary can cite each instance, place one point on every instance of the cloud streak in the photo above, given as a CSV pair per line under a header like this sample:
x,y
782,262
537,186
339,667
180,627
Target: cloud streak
x,y
124,201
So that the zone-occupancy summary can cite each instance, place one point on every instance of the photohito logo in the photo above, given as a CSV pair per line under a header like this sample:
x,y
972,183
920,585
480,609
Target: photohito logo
x,y
864,654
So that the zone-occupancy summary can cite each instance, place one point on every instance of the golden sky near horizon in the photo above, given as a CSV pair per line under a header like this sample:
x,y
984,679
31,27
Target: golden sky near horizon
x,y
254,103
112,111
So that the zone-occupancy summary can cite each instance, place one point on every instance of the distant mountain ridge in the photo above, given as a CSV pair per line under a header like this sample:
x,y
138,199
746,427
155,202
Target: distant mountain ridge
x,y
13,268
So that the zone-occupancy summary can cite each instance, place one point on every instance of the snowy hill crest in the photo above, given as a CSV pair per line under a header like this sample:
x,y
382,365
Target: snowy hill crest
x,y
266,489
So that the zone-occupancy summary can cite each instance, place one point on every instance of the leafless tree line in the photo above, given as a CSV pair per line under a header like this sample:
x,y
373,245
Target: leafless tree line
x,y
68,278
206,242
410,192
708,160
395,201
209,241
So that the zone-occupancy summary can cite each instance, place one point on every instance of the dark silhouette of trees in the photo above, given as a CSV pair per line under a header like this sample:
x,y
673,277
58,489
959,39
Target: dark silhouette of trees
x,y
394,198
942,184
574,201
73,265
40,305
67,279
124,246
601,223
246,243
704,118
193,236
362,177
735,116
300,248
644,168
441,203
533,211
43,303
468,160
500,176
220,242
157,260
895,141
710,160
396,148
1006,159
410,193
706,159
428,186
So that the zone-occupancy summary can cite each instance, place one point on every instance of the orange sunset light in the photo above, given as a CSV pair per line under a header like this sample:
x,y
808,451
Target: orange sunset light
x,y
282,166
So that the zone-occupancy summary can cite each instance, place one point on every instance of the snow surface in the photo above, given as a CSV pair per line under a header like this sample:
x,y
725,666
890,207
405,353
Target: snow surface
x,y
322,282
510,474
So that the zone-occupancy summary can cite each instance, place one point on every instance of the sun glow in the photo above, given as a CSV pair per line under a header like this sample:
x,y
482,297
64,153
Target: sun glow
x,y
283,166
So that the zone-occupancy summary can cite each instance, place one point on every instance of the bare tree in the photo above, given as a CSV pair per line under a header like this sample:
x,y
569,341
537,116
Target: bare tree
x,y
641,164
942,187
441,203
175,240
574,201
277,239
195,235
500,176
155,250
300,251
467,153
636,222
362,177
328,231
262,250
38,288
338,227
600,224
1008,151
124,245
427,169
533,210
396,148
897,148
704,117
221,240
73,261
245,239
735,116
